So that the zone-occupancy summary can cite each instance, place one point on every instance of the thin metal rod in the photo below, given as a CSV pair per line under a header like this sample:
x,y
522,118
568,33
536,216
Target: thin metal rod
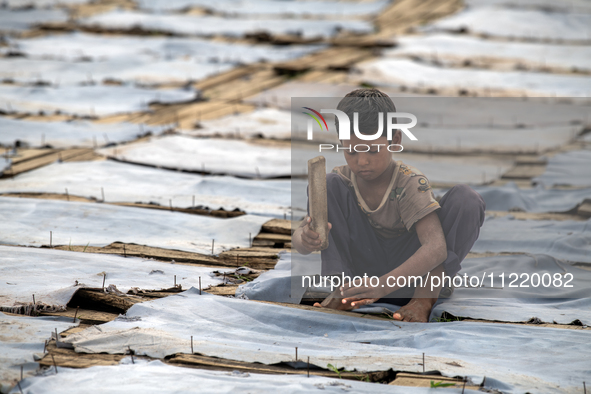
x,y
104,277
192,345
423,362
296,353
308,366
75,314
55,366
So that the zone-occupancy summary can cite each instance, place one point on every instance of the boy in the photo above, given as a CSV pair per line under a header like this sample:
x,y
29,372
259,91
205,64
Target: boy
x,y
385,222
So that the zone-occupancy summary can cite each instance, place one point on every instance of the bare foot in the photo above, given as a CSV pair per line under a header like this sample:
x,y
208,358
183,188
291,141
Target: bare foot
x,y
417,310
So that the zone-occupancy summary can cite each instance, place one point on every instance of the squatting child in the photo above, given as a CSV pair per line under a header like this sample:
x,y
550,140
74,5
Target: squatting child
x,y
384,220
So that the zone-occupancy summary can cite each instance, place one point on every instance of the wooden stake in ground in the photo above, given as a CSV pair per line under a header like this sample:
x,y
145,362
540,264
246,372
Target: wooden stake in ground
x,y
317,198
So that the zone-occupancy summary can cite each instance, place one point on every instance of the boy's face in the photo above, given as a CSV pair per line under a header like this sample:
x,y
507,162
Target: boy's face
x,y
369,165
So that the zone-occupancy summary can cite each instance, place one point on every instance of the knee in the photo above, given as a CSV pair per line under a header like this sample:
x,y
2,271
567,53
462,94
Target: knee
x,y
467,200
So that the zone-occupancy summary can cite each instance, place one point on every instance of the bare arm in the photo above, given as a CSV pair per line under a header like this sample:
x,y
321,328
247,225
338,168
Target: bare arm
x,y
431,253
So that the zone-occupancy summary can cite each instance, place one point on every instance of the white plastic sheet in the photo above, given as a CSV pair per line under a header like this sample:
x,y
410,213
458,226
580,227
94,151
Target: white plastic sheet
x,y
54,276
256,8
69,134
150,377
97,100
213,25
573,6
509,304
41,3
316,9
84,46
456,50
521,304
403,72
265,122
29,221
22,20
248,159
257,332
569,240
537,199
22,338
569,168
489,139
122,182
138,70
218,156
448,112
518,23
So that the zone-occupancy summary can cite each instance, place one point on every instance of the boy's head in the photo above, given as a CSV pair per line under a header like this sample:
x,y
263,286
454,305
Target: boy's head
x,y
367,103
368,160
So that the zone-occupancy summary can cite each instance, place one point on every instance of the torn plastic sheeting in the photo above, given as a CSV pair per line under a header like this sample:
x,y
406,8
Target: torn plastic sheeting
x,y
22,338
316,9
455,50
268,122
99,100
518,23
24,19
538,199
150,377
259,332
247,159
139,70
403,72
77,46
121,182
28,222
54,276
568,168
69,134
447,112
276,284
213,25
568,240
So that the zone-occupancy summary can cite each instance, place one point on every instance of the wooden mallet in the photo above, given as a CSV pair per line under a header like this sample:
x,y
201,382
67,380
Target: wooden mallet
x,y
317,198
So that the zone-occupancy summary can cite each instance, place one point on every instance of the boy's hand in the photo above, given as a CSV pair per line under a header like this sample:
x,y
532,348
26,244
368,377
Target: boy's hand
x,y
310,239
361,295
334,301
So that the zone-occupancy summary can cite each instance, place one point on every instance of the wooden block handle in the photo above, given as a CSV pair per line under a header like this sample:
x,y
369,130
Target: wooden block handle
x,y
317,198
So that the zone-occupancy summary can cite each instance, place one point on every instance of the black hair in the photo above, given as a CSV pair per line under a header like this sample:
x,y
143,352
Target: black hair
x,y
368,103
